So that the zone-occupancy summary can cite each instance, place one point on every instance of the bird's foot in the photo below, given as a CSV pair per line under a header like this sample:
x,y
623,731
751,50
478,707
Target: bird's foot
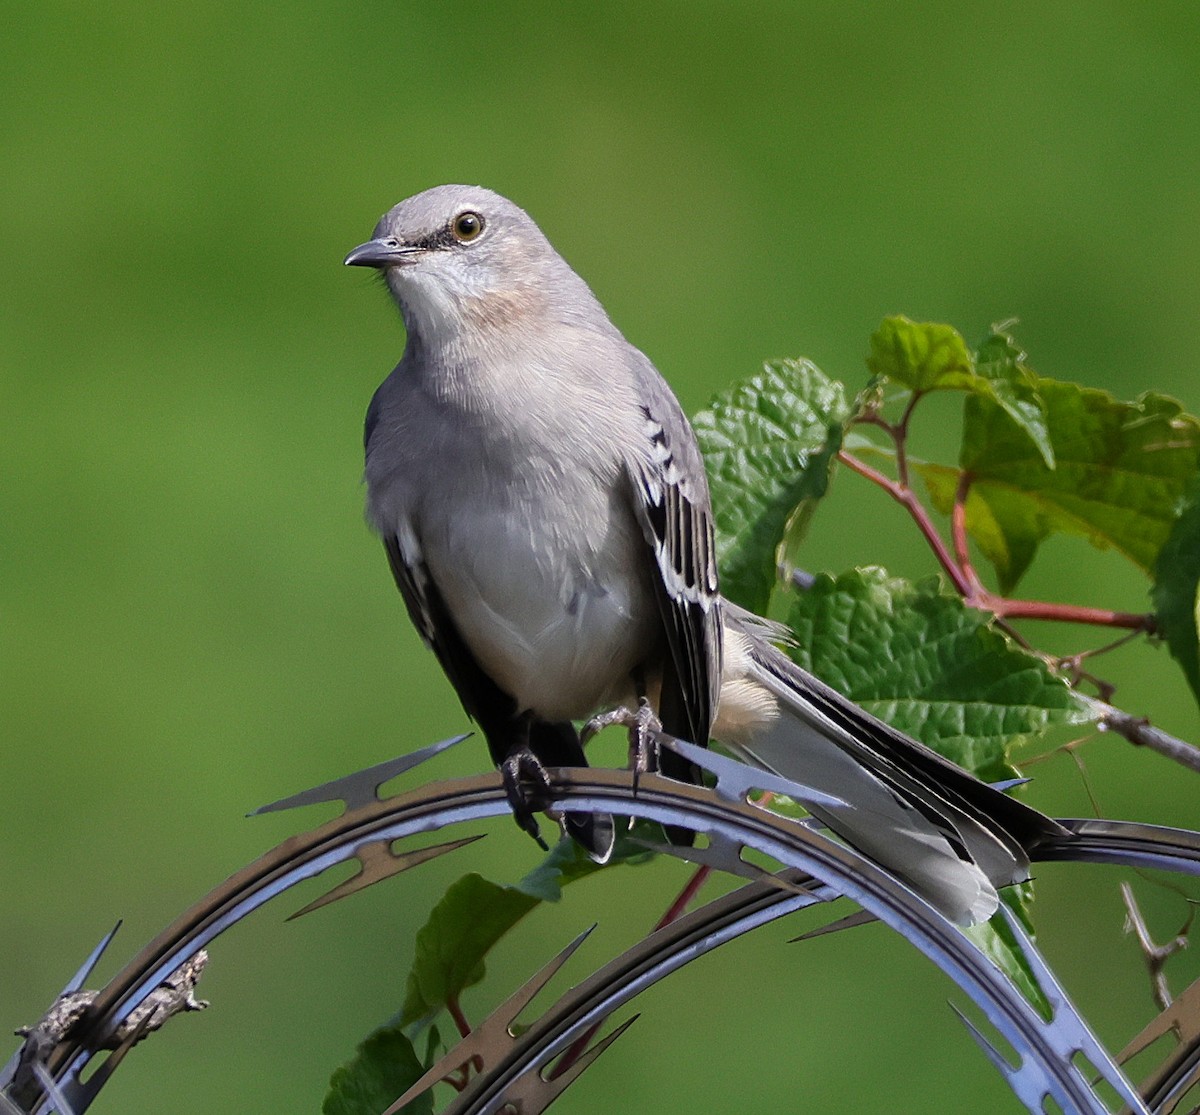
x,y
525,783
619,715
644,728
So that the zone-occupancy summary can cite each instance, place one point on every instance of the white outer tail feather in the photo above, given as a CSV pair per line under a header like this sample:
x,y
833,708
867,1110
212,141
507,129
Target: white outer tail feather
x,y
900,819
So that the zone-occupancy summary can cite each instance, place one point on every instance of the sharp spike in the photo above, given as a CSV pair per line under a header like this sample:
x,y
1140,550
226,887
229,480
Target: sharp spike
x,y
492,1036
1182,1017
735,780
1010,783
533,1093
50,1087
859,917
379,862
97,1079
723,854
360,788
85,970
999,1061
73,985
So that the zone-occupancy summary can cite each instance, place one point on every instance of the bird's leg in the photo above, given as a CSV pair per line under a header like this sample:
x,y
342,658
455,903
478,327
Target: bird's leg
x,y
644,729
525,780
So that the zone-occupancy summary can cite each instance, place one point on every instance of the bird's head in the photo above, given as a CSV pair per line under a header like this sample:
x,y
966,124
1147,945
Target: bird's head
x,y
458,258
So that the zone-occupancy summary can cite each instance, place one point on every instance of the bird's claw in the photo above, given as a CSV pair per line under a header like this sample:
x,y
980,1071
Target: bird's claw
x,y
644,729
525,784
619,715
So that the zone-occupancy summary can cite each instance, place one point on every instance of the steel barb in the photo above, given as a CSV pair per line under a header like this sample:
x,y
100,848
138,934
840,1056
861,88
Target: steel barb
x,y
516,1071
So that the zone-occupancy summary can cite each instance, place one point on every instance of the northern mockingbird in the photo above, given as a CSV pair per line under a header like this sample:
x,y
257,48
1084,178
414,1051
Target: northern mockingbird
x,y
545,511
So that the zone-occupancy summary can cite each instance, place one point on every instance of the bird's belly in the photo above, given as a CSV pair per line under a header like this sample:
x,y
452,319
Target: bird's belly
x,y
558,621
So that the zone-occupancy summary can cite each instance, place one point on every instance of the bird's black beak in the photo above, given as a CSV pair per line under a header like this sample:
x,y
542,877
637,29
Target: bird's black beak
x,y
386,251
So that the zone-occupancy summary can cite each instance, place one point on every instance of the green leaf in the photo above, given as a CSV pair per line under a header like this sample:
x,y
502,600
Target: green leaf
x,y
564,863
471,917
916,657
1001,361
1176,591
996,940
769,443
382,1070
1122,470
474,914
923,356
926,356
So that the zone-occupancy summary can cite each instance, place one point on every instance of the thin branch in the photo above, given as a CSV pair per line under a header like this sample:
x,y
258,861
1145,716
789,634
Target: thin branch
x,y
1063,613
454,1009
966,581
958,533
907,498
677,908
1140,732
1073,661
1155,956
900,437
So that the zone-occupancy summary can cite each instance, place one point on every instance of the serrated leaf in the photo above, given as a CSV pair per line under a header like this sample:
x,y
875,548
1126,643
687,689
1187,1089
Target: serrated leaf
x,y
471,917
1122,469
384,1067
768,443
1176,592
916,656
921,355
927,356
1001,361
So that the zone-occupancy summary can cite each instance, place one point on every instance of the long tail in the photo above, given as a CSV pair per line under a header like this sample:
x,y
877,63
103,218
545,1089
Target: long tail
x,y
952,837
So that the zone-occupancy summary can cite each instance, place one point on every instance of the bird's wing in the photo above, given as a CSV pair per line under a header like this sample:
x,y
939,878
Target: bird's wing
x,y
670,495
485,702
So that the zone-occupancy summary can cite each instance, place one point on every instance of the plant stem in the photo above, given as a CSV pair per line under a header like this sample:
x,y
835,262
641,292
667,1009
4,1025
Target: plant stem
x,y
674,912
677,908
454,1009
1142,733
907,498
900,437
958,533
1065,613
963,575
1155,956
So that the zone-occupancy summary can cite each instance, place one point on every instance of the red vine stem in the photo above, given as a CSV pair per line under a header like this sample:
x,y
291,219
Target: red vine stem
x,y
907,498
459,1082
958,533
674,912
960,571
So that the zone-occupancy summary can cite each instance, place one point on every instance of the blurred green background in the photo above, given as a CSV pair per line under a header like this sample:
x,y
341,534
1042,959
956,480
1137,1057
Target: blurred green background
x,y
194,619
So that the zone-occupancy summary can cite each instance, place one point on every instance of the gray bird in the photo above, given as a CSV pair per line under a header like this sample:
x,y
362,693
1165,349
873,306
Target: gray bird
x,y
545,511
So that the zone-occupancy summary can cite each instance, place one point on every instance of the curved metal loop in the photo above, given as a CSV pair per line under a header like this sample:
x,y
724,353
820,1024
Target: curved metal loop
x,y
370,826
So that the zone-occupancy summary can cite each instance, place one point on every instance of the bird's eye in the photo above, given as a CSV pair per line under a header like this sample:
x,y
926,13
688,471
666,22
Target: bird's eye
x,y
466,227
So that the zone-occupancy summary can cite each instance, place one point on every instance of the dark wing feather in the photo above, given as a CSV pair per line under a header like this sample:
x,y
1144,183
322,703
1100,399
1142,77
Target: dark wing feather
x,y
485,702
554,744
672,507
